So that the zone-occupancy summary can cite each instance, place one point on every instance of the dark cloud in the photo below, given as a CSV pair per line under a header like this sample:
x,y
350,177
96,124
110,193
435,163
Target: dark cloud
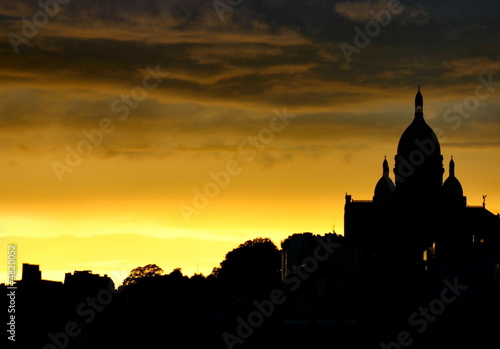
x,y
227,76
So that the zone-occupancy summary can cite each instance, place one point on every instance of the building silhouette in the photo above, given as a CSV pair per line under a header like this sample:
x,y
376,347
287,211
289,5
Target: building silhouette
x,y
399,250
415,224
84,281
419,213
32,277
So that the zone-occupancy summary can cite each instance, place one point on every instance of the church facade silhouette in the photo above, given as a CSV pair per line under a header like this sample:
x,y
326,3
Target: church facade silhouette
x,y
418,225
400,252
428,216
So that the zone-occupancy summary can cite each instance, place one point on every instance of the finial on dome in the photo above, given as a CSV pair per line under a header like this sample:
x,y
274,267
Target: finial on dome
x,y
419,102
385,165
452,167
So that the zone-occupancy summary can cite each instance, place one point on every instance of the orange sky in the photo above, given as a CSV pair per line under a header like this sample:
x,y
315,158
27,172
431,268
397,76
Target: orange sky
x,y
204,90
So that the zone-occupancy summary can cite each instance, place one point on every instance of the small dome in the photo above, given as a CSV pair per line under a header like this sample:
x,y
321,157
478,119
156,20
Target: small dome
x,y
385,186
452,189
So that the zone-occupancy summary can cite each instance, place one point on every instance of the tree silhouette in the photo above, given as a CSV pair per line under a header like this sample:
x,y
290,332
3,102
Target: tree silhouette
x,y
148,271
176,274
198,276
250,269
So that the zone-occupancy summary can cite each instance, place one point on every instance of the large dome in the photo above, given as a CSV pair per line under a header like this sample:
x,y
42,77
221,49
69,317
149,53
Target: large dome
x,y
418,136
419,164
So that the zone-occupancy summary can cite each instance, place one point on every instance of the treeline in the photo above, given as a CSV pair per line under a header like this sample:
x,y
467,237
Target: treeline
x,y
244,303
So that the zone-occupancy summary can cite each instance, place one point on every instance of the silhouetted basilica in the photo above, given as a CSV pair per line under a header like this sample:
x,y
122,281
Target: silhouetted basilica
x,y
402,253
424,218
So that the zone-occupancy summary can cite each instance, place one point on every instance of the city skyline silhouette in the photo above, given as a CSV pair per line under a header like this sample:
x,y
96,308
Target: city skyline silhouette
x,y
417,240
166,144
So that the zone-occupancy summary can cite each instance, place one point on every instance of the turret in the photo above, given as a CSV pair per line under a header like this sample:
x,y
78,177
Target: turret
x,y
385,186
452,189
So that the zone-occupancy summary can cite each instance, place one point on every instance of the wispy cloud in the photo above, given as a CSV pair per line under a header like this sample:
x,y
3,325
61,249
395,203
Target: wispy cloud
x,y
471,66
363,11
360,11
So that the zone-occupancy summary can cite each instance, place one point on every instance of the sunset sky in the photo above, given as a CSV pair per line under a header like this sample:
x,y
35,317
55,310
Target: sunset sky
x,y
259,105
